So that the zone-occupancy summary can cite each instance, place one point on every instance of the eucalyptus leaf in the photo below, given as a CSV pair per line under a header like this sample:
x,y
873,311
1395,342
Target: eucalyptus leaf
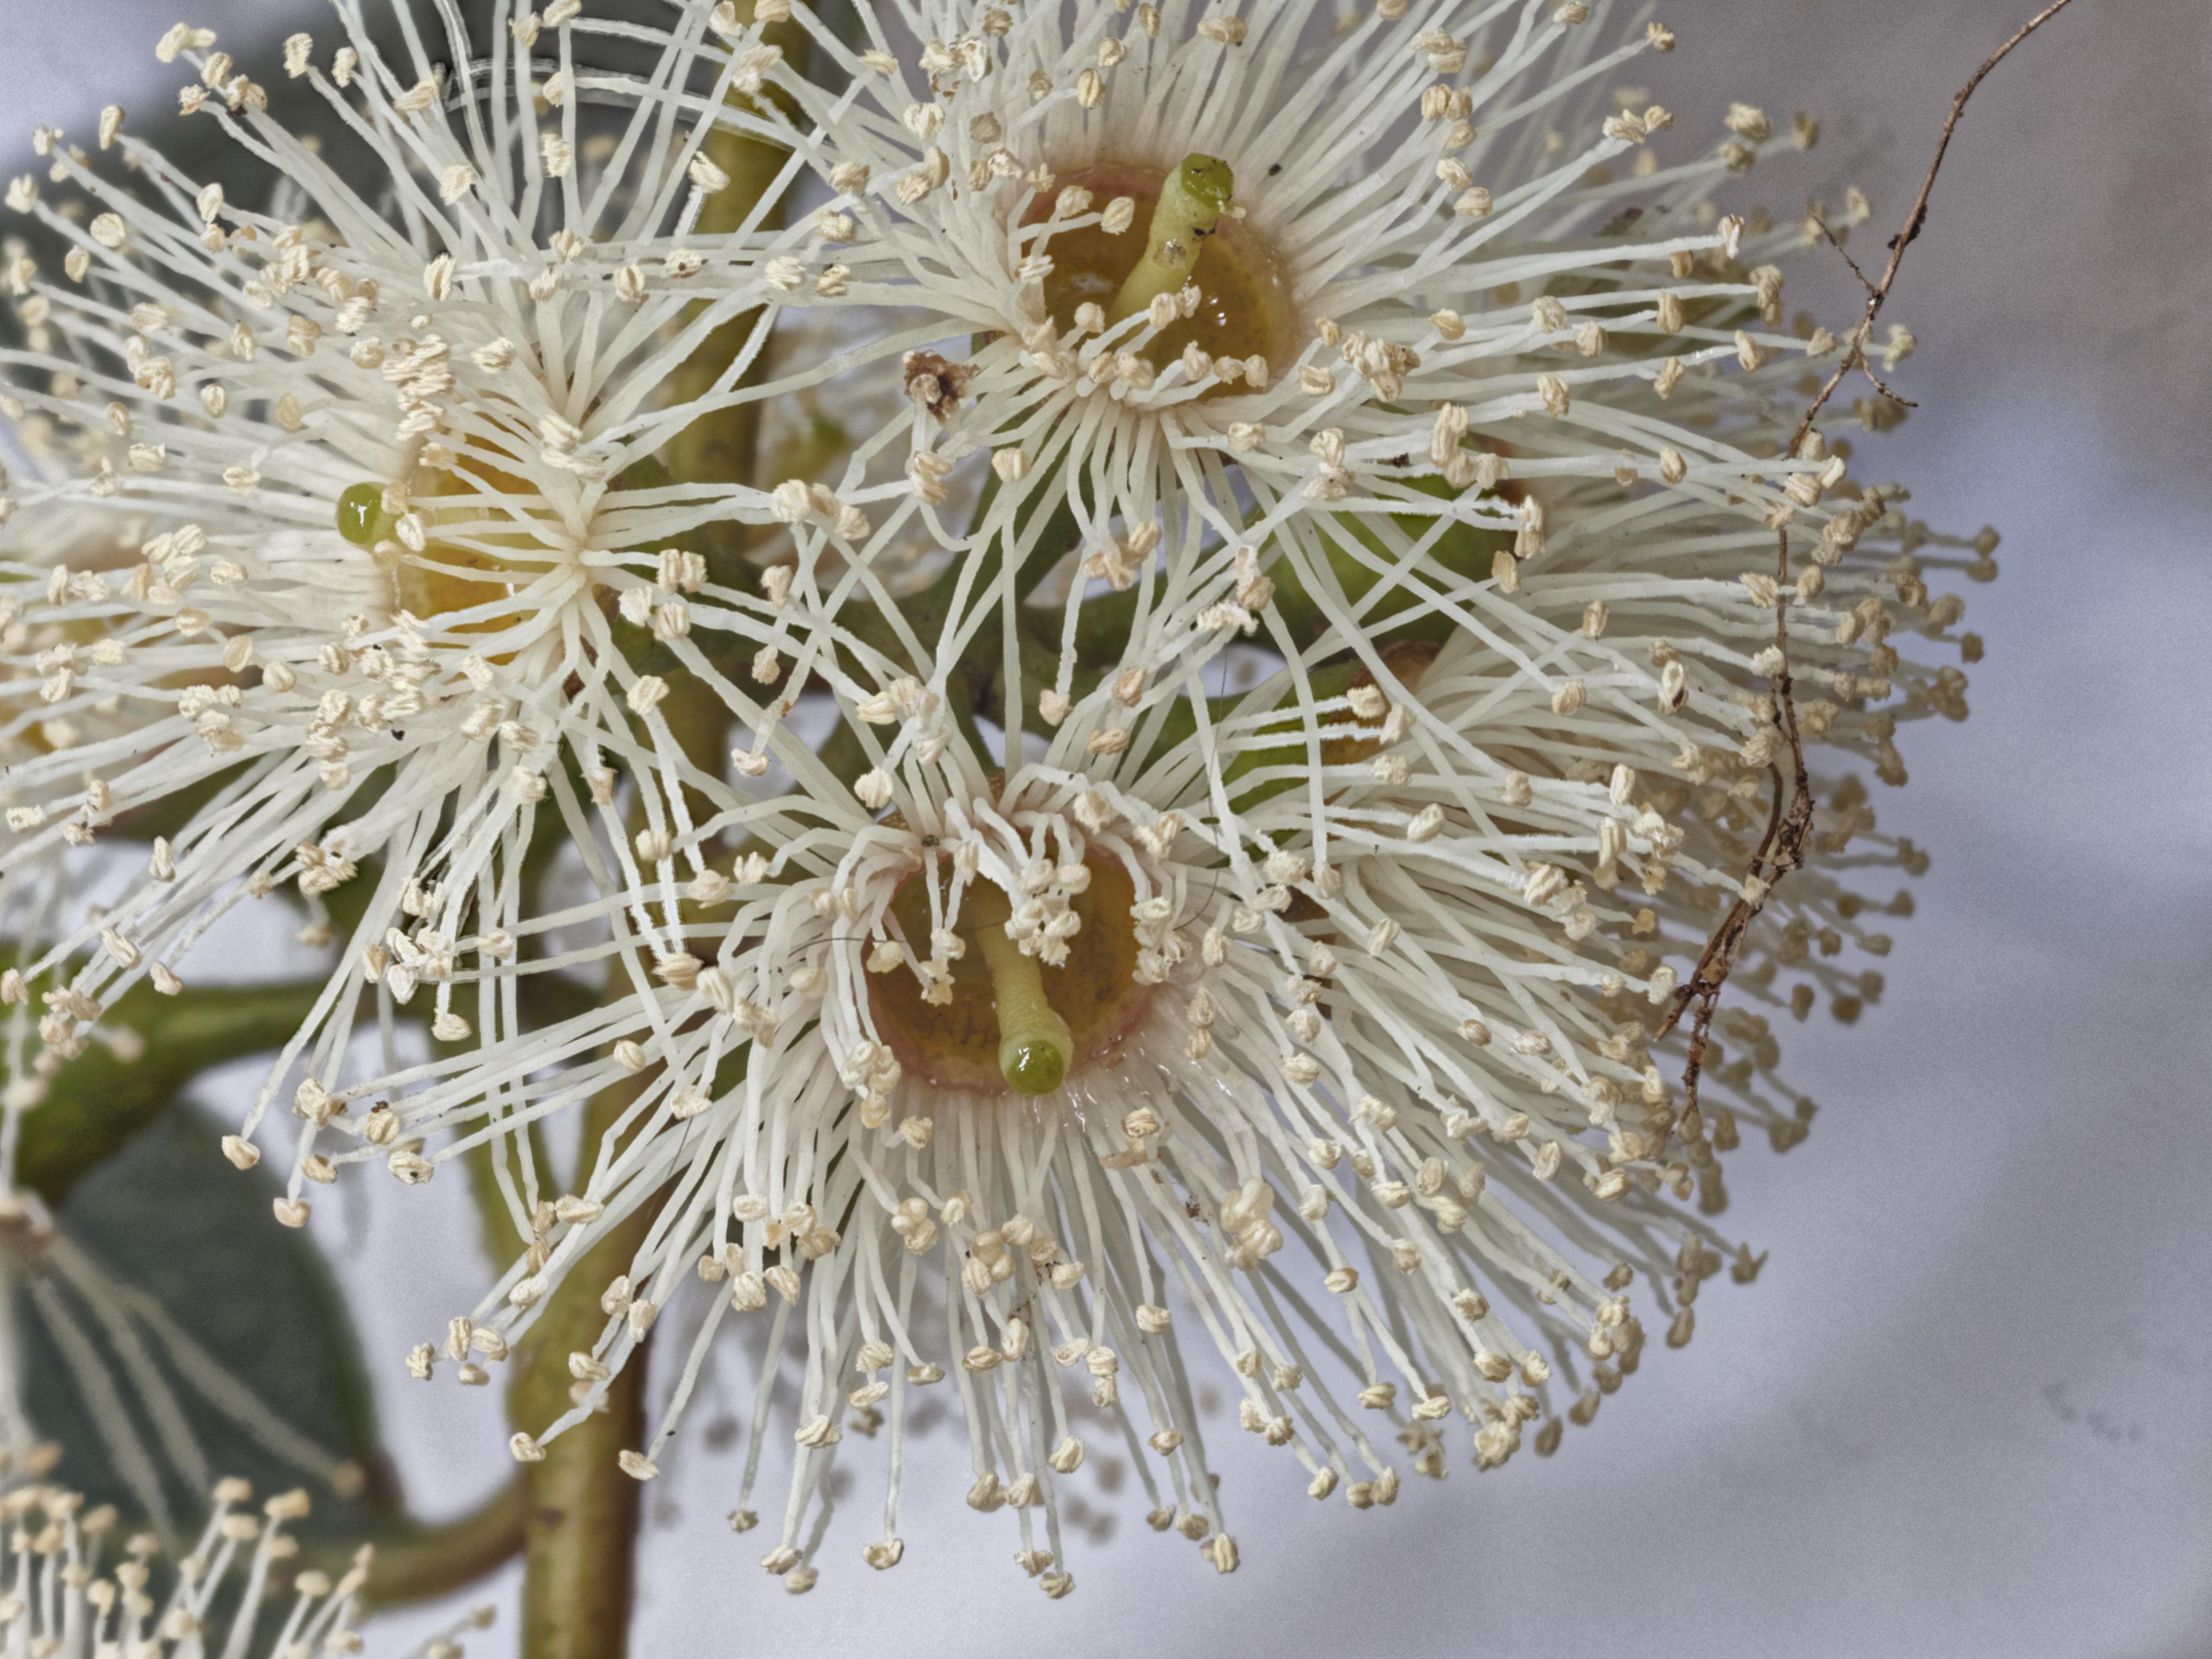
x,y
172,1334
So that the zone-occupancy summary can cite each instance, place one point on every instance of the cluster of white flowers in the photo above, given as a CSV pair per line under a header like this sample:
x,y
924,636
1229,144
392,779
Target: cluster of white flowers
x,y
369,581
1223,761
71,1587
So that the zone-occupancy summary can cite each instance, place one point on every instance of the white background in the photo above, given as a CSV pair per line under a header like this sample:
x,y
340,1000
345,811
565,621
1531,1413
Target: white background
x,y
1964,1411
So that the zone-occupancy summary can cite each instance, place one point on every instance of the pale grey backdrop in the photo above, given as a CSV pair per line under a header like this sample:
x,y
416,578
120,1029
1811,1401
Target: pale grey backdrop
x,y
1964,1410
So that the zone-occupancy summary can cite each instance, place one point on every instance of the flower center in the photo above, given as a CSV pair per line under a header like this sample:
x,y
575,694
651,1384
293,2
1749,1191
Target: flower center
x,y
1011,1023
1245,307
477,546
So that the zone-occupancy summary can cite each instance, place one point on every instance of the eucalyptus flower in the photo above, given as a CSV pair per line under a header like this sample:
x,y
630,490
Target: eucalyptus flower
x,y
391,585
1225,881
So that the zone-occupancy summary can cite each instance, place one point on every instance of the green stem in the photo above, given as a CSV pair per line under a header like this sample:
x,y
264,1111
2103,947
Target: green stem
x,y
580,1516
1191,200
98,1102
723,448
579,1525
502,1241
423,1562
699,720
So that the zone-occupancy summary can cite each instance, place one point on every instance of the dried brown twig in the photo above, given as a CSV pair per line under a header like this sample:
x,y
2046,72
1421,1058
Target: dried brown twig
x,y
1782,847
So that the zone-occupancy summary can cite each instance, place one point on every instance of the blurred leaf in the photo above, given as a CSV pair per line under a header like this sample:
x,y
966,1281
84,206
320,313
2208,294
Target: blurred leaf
x,y
176,1333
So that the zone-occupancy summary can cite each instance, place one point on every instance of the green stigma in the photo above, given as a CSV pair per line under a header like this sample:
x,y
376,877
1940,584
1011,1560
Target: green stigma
x,y
1192,199
362,518
1033,1067
1205,179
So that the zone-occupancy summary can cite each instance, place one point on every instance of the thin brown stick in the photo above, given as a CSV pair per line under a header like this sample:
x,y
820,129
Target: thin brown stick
x,y
1783,848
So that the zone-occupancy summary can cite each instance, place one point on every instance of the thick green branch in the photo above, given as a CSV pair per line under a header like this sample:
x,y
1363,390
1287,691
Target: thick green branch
x,y
99,1101
426,1561
579,1525
724,447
